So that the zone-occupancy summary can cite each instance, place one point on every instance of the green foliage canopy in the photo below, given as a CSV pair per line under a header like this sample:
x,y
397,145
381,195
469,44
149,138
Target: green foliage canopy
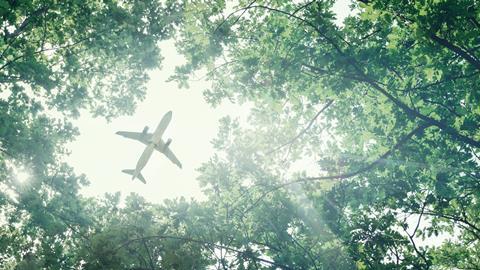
x,y
57,58
386,106
401,134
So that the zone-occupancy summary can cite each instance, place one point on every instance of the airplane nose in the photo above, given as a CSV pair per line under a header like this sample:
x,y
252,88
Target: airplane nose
x,y
167,116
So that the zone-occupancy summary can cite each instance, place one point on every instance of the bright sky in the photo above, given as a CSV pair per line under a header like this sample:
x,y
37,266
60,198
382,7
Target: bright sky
x,y
101,154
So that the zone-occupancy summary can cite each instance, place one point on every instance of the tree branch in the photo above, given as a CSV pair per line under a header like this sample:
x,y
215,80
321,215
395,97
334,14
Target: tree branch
x,y
54,48
150,260
292,140
204,243
231,14
398,145
452,47
409,111
421,254
440,124
456,219
326,72
27,21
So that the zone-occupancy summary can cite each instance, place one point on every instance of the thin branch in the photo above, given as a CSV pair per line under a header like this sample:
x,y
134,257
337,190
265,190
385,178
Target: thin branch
x,y
11,38
421,254
454,48
370,166
203,243
231,14
371,34
451,110
292,140
55,48
307,251
409,111
411,236
152,265
399,144
415,114
327,72
445,43
470,227
451,79
213,70
27,21
474,22
303,7
419,218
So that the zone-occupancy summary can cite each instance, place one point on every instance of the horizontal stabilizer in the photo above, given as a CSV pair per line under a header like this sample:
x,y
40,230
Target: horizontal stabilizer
x,y
139,176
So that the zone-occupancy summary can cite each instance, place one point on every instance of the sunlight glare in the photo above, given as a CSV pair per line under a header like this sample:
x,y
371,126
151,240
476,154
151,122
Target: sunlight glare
x,y
21,174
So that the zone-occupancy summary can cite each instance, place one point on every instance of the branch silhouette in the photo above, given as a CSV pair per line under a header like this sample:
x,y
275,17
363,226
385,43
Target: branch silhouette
x,y
292,140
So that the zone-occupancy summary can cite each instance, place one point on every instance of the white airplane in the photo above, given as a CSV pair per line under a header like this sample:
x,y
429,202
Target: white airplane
x,y
153,142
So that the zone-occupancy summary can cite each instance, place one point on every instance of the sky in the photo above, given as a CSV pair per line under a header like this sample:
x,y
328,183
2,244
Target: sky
x,y
100,154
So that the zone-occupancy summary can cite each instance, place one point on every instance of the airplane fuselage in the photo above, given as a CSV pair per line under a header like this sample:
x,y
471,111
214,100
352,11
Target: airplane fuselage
x,y
160,145
142,161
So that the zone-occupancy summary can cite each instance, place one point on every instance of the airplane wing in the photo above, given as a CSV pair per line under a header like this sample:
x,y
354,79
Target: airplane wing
x,y
172,157
157,135
141,137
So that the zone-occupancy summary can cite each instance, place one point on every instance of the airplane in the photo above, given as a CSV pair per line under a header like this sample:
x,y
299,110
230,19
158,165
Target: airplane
x,y
153,141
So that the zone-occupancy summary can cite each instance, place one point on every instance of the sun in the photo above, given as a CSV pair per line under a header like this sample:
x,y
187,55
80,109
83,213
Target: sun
x,y
22,175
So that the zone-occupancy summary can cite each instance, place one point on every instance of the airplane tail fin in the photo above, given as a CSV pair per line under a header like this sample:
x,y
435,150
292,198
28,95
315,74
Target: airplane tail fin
x,y
139,176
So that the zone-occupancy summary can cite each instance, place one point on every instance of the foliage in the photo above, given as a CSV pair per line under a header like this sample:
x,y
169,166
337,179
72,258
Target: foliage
x,y
402,134
57,58
361,150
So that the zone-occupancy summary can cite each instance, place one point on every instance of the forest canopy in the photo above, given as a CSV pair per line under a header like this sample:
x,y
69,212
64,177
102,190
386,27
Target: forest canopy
x,y
386,104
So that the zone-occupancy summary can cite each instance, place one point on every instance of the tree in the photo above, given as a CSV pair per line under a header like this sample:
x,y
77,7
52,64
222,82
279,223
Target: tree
x,y
57,58
385,106
280,224
140,235
401,132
